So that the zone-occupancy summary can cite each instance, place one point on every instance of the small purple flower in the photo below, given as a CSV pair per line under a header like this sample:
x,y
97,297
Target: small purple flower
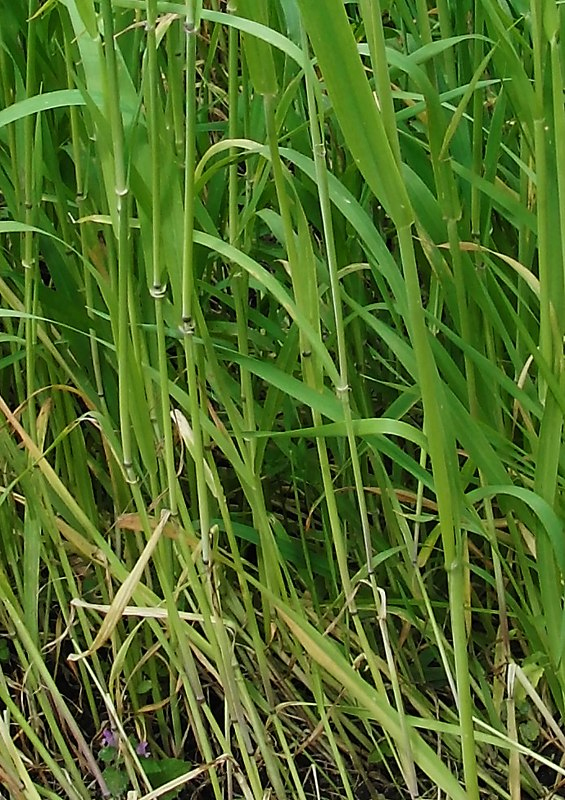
x,y
109,738
142,749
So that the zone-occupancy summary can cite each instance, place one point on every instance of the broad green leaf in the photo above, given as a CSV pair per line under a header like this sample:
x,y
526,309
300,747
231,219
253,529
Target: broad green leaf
x,y
360,427
355,106
87,14
552,524
42,102
257,50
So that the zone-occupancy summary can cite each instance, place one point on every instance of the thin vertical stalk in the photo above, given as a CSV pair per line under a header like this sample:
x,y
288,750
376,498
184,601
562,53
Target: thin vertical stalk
x,y
81,190
174,96
29,260
158,288
32,145
7,84
372,17
195,391
557,78
550,253
424,21
477,130
240,279
442,453
542,187
121,208
446,29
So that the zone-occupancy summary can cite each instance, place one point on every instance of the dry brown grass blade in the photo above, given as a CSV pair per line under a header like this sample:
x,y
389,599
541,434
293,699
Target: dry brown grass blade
x,y
176,783
149,613
79,544
125,592
133,522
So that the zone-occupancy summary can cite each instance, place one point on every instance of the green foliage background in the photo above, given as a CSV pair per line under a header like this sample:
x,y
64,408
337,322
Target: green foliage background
x,y
282,395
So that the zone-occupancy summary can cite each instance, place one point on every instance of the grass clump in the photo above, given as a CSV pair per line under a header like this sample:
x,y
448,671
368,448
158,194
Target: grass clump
x,y
282,399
